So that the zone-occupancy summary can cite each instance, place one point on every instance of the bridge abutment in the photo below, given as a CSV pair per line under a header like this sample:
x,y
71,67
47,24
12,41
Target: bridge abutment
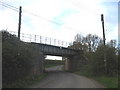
x,y
67,64
72,63
38,63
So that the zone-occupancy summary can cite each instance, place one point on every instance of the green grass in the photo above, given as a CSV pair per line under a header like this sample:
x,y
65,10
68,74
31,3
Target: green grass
x,y
27,81
51,65
109,82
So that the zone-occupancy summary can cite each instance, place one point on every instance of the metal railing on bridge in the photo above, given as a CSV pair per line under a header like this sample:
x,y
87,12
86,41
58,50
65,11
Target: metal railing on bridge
x,y
40,39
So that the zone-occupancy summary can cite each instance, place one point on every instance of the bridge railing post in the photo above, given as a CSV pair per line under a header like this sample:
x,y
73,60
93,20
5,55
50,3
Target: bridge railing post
x,y
58,43
45,40
50,41
35,38
23,36
62,43
54,41
30,37
40,39
66,44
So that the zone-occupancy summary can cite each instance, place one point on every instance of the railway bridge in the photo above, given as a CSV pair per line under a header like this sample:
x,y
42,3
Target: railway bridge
x,y
71,54
49,46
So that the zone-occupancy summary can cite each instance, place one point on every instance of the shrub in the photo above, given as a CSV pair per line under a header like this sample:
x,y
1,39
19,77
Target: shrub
x,y
18,58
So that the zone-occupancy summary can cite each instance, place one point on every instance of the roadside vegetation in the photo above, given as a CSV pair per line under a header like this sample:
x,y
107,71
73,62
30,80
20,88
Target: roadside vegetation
x,y
19,62
19,68
92,63
27,81
51,63
107,81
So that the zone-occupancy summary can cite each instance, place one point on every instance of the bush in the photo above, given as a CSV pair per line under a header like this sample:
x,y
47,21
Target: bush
x,y
98,64
18,58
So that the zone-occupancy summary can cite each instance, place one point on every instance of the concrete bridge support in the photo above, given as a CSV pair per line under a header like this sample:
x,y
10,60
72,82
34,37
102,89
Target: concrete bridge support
x,y
38,63
72,63
67,64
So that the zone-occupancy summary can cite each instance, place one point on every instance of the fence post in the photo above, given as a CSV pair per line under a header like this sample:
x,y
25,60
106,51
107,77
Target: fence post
x,y
62,43
30,37
45,39
54,41
58,42
50,41
66,44
23,36
35,38
40,39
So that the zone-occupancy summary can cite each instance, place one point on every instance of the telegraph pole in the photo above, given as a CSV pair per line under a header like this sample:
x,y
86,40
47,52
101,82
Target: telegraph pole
x,y
19,24
105,61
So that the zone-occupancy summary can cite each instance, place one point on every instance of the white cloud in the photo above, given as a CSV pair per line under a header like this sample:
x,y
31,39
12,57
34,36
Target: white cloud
x,y
113,34
86,20
84,17
7,21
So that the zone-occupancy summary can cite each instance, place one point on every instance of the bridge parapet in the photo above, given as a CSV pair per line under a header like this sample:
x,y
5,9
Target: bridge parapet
x,y
40,39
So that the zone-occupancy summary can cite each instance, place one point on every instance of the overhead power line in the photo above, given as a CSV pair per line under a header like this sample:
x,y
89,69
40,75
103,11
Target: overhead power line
x,y
41,17
17,9
9,6
51,21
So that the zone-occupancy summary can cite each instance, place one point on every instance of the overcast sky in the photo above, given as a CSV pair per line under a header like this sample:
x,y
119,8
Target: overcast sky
x,y
71,16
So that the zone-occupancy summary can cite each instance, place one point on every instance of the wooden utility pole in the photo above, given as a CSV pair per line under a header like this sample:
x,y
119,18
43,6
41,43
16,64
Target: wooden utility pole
x,y
105,61
19,24
102,19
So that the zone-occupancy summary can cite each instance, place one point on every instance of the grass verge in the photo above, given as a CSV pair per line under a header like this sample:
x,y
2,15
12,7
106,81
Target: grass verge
x,y
109,82
27,81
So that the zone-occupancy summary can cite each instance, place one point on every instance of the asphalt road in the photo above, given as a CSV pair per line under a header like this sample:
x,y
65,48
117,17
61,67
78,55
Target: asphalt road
x,y
61,79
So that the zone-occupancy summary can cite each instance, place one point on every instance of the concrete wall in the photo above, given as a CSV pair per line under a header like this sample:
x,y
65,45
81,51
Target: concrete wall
x,y
38,62
72,62
67,64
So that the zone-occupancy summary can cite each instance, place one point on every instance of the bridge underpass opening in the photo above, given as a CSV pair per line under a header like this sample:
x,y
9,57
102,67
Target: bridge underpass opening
x,y
54,63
